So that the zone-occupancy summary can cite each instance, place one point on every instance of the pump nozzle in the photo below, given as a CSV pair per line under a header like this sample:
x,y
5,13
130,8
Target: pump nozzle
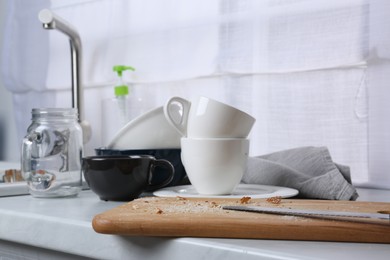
x,y
120,68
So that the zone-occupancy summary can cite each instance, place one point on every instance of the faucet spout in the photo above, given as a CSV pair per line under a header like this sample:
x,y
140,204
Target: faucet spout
x,y
52,21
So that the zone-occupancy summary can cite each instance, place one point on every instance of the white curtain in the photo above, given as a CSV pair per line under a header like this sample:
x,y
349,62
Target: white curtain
x,y
313,73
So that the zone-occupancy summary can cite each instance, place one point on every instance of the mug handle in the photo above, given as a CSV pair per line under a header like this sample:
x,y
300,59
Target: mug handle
x,y
26,156
164,164
180,124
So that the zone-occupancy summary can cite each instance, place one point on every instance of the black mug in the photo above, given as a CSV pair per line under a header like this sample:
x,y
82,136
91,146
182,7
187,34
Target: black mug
x,y
123,178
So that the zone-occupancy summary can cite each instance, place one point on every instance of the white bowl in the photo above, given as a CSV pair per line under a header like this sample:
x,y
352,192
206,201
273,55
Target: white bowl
x,y
148,131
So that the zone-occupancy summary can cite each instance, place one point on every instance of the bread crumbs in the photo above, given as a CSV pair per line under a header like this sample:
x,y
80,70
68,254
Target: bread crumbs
x,y
245,200
275,200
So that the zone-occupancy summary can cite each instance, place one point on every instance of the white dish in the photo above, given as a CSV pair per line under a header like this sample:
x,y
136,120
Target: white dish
x,y
242,190
147,131
16,188
11,188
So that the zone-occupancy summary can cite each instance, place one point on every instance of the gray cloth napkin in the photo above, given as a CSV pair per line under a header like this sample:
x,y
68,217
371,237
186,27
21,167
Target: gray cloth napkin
x,y
310,170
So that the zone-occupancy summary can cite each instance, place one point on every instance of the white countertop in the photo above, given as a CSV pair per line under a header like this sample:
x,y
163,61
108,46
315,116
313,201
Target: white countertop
x,y
64,225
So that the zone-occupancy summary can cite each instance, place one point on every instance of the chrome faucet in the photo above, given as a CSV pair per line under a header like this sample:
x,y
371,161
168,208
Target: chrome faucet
x,y
52,21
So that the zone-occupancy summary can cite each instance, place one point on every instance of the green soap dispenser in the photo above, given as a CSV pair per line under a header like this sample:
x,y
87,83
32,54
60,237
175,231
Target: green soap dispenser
x,y
121,91
115,112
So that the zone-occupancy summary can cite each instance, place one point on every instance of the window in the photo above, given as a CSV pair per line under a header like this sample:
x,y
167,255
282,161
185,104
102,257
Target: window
x,y
313,73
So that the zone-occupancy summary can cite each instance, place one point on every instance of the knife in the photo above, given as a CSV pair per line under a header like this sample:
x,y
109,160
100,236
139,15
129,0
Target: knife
x,y
309,213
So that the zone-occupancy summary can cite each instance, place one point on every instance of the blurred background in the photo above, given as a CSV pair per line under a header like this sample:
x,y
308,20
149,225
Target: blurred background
x,y
313,73
9,143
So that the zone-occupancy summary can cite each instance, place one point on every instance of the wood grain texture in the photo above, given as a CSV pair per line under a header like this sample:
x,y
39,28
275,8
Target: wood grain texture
x,y
179,217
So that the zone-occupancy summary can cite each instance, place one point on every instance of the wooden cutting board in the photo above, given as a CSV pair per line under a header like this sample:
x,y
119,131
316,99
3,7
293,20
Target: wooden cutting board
x,y
181,217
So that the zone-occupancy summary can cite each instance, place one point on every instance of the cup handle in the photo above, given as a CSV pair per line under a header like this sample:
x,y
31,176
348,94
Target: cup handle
x,y
164,164
179,121
27,143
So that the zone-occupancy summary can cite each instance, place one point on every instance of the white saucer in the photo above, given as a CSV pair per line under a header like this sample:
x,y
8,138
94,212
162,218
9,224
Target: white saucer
x,y
249,190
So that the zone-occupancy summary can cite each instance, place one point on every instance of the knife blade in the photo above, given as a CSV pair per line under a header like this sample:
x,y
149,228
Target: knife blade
x,y
308,213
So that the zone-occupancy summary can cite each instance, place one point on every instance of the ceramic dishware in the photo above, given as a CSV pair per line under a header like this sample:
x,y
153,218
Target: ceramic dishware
x,y
207,118
147,131
171,155
214,166
123,178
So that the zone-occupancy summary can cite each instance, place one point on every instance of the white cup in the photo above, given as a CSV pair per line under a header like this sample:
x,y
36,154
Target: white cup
x,y
207,118
214,166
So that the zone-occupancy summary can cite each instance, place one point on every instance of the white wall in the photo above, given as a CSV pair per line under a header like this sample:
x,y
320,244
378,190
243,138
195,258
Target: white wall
x,y
9,145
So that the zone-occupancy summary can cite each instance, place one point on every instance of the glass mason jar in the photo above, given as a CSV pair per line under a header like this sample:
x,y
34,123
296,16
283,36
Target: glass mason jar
x,y
52,152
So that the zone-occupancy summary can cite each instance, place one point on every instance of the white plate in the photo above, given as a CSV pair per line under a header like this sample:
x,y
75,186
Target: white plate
x,y
251,190
148,131
16,188
11,188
